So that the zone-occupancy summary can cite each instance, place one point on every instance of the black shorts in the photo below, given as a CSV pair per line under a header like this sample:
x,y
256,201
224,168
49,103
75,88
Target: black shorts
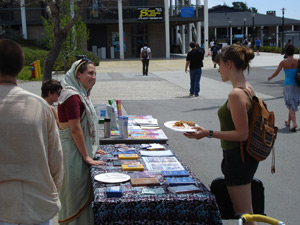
x,y
234,170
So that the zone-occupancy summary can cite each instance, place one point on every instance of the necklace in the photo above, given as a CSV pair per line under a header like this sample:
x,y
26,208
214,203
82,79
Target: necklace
x,y
8,82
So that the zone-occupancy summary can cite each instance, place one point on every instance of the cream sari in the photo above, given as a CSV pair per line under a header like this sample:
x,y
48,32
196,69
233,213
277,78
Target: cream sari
x,y
76,193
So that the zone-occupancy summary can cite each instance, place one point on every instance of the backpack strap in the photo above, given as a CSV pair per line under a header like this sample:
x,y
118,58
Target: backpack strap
x,y
249,95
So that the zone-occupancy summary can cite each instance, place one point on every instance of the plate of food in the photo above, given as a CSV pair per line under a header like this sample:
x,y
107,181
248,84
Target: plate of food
x,y
112,178
181,125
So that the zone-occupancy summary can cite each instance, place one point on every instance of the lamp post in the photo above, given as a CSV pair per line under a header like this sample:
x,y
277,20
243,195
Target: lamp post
x,y
244,29
230,30
253,15
282,32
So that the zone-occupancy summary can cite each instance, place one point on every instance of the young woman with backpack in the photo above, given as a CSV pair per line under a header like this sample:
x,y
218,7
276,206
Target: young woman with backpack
x,y
234,118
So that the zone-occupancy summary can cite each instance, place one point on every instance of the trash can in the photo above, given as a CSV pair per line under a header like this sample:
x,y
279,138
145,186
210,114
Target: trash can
x,y
78,57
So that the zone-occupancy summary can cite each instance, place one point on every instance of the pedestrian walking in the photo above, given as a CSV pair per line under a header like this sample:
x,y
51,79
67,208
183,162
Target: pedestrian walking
x,y
291,90
194,61
287,44
212,42
145,56
31,166
249,43
234,118
257,44
214,52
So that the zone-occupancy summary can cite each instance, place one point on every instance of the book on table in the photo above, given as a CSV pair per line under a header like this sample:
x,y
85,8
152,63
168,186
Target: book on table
x,y
183,189
138,167
180,181
156,153
115,191
143,174
117,153
153,191
130,162
148,181
175,173
128,156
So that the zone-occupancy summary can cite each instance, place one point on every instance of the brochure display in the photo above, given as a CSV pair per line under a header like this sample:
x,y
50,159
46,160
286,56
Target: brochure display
x,y
141,129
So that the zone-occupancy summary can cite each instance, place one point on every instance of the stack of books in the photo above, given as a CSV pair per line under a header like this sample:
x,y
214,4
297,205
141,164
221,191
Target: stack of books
x,y
115,191
149,123
184,189
175,173
180,181
128,156
132,165
148,181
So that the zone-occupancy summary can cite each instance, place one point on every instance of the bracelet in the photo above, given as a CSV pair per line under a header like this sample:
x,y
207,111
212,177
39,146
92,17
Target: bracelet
x,y
210,135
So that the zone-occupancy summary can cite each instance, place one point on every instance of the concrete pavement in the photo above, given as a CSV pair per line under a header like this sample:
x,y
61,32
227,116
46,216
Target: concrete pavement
x,y
164,94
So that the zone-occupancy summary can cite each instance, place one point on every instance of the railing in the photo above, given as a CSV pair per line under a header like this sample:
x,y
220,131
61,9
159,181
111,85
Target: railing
x,y
12,16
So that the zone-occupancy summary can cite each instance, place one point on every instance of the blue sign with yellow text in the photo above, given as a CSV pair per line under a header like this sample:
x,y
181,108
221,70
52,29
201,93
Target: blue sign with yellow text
x,y
187,12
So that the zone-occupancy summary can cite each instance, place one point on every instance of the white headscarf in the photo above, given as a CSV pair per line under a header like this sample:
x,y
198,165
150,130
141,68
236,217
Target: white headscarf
x,y
73,86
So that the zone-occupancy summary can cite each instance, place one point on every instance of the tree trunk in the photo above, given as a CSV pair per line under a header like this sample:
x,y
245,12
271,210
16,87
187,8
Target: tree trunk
x,y
52,56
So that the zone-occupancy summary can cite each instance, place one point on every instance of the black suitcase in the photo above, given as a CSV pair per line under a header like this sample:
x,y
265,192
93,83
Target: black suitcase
x,y
219,189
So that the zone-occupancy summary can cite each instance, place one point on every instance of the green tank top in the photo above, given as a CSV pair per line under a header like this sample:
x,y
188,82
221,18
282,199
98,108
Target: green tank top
x,y
227,124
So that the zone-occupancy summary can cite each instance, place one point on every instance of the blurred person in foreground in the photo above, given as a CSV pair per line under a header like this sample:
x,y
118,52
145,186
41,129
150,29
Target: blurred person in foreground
x,y
234,118
80,139
50,92
291,90
31,169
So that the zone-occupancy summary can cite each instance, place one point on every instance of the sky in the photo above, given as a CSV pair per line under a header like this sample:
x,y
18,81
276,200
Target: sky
x,y
292,7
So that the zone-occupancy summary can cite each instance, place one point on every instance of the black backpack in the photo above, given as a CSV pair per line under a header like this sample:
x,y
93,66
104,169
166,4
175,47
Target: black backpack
x,y
145,53
214,50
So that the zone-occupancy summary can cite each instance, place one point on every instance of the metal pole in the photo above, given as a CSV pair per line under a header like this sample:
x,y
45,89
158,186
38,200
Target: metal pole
x,y
230,32
23,18
167,29
206,26
253,15
244,29
121,43
282,32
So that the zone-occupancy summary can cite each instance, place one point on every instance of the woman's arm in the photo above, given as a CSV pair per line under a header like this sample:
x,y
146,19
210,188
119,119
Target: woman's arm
x,y
279,68
237,102
78,137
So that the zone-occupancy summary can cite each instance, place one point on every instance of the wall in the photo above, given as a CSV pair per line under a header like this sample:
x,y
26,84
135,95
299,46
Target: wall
x,y
157,39
34,32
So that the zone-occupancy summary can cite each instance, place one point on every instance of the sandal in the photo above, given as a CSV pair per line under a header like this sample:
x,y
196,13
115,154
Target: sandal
x,y
294,129
286,123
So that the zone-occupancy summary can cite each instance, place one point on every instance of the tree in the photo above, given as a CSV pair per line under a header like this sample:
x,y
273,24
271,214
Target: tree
x,y
55,10
75,40
243,6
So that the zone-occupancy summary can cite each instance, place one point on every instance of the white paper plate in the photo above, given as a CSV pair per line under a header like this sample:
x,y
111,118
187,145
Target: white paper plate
x,y
186,128
112,178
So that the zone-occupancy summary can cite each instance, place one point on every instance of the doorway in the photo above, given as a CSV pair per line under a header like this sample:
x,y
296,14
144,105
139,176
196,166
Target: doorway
x,y
139,35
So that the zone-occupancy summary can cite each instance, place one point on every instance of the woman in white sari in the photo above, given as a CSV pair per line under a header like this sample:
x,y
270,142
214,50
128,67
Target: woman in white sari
x,y
79,138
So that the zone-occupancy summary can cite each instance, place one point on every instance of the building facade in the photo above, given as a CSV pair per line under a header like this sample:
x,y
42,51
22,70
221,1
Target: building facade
x,y
142,21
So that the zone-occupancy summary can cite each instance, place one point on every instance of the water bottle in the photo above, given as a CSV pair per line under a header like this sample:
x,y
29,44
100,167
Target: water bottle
x,y
106,127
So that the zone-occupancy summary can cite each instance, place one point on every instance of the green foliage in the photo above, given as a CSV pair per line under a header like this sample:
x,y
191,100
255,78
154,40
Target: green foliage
x,y
77,36
243,6
25,74
34,53
59,64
